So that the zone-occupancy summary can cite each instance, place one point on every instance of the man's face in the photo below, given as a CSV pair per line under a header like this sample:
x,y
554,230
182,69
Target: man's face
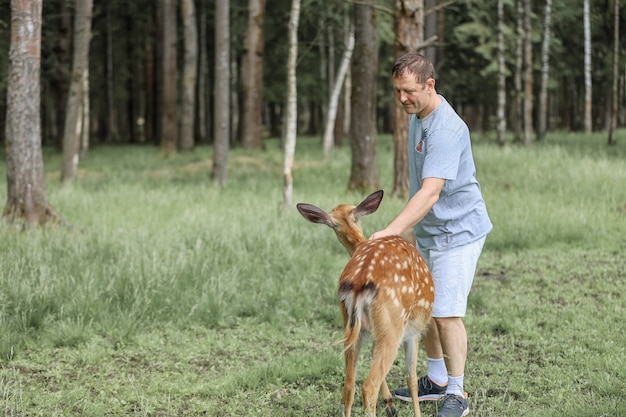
x,y
417,98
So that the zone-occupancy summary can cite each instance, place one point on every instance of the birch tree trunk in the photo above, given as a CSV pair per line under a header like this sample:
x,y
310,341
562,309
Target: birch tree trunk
x,y
252,76
328,138
85,114
545,72
587,69
221,88
190,76
73,113
614,93
292,105
501,112
347,88
409,37
364,166
528,75
27,196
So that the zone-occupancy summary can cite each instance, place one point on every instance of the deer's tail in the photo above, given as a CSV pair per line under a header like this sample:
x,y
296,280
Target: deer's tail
x,y
355,302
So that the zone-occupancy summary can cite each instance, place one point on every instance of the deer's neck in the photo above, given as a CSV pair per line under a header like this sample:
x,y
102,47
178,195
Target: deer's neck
x,y
351,240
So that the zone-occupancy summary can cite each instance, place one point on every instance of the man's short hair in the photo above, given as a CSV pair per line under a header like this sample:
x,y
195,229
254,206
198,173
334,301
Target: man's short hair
x,y
414,63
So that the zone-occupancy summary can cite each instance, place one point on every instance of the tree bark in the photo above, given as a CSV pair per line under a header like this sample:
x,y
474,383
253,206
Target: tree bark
x,y
328,139
73,115
429,24
588,123
528,75
27,196
364,167
252,76
111,127
190,76
221,127
518,114
545,73
203,74
501,112
614,93
83,148
291,117
169,91
409,37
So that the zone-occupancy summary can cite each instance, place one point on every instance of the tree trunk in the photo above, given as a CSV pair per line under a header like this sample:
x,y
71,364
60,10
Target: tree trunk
x,y
221,127
329,140
347,89
235,108
62,85
528,76
252,76
614,93
85,114
111,127
587,70
291,117
347,109
169,91
150,120
203,74
545,73
27,196
190,76
364,167
409,38
429,24
501,124
73,114
518,115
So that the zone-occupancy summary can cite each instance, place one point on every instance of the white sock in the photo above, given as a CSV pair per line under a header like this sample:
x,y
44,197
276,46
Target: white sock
x,y
455,385
437,371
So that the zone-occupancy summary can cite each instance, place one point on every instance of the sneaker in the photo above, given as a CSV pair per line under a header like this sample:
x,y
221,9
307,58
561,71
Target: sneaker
x,y
454,406
427,389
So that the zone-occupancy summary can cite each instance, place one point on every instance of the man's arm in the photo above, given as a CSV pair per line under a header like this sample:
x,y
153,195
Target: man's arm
x,y
415,210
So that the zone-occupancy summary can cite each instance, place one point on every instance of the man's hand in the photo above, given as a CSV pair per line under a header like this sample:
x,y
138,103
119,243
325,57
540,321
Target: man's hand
x,y
383,233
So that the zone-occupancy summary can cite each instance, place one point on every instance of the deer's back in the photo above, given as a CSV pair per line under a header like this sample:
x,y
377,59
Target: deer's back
x,y
393,270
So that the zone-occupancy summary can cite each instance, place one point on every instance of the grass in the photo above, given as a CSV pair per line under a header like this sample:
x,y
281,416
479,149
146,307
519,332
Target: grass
x,y
178,298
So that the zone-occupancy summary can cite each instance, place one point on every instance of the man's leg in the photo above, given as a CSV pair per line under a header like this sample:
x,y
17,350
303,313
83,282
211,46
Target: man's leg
x,y
453,338
437,370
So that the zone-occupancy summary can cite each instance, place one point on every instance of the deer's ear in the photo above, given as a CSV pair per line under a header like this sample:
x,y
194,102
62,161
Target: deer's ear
x,y
313,214
369,205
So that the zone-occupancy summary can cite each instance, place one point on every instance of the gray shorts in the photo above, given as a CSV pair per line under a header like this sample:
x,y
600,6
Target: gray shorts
x,y
453,273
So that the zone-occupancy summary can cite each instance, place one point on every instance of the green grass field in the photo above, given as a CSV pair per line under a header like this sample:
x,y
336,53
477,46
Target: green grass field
x,y
177,298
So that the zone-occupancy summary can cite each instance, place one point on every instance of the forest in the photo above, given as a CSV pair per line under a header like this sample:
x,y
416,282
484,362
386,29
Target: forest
x,y
179,74
126,48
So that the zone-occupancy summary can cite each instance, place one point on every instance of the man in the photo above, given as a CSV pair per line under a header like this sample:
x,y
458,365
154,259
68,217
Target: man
x,y
450,222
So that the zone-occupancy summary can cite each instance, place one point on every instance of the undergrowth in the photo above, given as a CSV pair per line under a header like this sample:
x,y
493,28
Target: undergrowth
x,y
174,297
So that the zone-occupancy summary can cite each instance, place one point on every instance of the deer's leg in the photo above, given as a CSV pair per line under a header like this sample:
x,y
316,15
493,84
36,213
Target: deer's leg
x,y
388,400
351,357
385,349
410,352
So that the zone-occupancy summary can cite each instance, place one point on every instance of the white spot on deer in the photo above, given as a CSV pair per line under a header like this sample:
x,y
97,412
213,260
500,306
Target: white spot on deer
x,y
423,303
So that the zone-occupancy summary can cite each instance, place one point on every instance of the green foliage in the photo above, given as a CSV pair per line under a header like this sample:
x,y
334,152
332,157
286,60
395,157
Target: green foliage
x,y
177,297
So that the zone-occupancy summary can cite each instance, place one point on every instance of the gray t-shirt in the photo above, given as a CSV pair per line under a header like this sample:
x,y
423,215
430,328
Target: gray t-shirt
x,y
439,147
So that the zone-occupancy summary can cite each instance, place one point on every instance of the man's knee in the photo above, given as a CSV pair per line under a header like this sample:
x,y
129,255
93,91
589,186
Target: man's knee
x,y
448,323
